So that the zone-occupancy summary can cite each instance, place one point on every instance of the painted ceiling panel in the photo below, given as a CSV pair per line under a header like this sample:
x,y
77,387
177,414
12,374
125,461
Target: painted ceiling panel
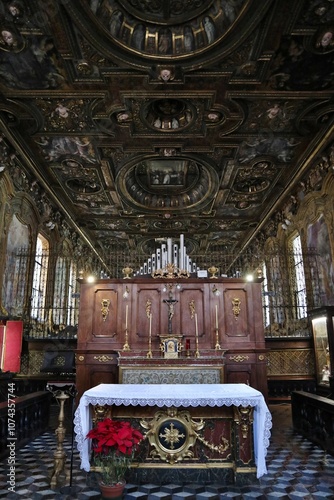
x,y
150,119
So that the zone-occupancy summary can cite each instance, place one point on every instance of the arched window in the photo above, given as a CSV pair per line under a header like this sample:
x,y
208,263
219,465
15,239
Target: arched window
x,y
65,300
276,289
73,309
298,283
39,283
59,293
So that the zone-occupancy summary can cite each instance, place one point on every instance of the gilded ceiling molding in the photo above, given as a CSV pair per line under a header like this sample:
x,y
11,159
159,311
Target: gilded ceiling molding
x,y
168,185
141,36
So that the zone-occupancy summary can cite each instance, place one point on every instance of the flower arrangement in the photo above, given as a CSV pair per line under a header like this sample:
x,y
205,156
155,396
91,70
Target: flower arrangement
x,y
114,443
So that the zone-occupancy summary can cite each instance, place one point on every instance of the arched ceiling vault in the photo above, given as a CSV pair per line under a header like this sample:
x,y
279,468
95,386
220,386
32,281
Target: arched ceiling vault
x,y
147,119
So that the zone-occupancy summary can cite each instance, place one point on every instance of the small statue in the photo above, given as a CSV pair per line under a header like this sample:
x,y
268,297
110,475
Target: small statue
x,y
325,374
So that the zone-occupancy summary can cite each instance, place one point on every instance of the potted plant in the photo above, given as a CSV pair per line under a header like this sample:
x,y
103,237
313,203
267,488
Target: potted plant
x,y
114,443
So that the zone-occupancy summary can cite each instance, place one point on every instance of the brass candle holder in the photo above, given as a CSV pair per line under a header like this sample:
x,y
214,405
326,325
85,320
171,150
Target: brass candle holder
x,y
197,354
126,346
149,353
217,346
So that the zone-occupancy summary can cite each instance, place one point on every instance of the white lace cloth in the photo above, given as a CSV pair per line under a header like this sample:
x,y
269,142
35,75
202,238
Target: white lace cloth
x,y
178,395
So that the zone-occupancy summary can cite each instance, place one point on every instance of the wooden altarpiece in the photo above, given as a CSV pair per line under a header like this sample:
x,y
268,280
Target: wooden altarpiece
x,y
144,330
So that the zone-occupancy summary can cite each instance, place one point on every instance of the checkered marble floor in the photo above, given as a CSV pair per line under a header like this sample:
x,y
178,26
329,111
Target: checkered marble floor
x,y
296,470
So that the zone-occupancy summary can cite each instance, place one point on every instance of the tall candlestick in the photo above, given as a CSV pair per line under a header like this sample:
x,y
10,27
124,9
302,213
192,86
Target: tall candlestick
x,y
196,338
217,346
126,346
149,353
126,316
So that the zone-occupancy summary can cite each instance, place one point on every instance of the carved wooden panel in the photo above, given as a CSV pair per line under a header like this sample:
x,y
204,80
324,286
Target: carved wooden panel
x,y
94,368
239,374
105,312
192,312
147,302
235,303
191,309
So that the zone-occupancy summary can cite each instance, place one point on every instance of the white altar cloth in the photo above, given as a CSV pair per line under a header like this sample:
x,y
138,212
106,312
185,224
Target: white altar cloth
x,y
178,395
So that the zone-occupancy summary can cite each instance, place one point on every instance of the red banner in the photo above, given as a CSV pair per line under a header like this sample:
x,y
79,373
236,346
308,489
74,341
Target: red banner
x,y
2,335
12,345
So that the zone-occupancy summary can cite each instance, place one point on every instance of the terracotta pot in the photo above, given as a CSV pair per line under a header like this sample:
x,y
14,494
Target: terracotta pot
x,y
112,490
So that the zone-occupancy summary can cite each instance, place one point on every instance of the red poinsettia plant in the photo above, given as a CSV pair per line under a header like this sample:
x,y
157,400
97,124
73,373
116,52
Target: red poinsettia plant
x,y
114,443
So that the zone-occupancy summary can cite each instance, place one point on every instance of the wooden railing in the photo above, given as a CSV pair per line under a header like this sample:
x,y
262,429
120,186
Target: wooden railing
x,y
22,419
313,418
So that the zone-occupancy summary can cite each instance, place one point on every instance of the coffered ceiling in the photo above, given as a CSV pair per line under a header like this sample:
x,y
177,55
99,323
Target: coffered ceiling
x,y
146,119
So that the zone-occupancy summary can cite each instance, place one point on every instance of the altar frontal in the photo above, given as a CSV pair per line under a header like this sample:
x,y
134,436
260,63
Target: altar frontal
x,y
192,433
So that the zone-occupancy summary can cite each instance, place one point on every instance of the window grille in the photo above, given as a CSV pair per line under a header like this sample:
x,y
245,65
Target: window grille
x,y
300,301
38,292
265,296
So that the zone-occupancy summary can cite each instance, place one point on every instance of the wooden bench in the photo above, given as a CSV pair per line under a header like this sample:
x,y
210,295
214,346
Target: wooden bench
x,y
22,419
313,418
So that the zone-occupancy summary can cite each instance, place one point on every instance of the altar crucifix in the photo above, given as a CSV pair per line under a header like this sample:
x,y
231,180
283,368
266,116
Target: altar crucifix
x,y
170,303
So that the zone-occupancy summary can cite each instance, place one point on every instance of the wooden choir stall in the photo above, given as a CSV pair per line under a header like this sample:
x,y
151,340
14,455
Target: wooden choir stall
x,y
193,349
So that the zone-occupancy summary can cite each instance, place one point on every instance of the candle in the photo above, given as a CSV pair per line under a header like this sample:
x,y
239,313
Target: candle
x,y
181,251
169,250
163,255
217,316
196,325
187,344
126,316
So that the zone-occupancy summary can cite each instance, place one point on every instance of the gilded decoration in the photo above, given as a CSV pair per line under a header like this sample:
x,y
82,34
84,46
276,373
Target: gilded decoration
x,y
166,28
192,309
213,270
239,358
100,412
162,123
236,307
105,303
103,358
127,271
173,434
135,136
243,416
171,271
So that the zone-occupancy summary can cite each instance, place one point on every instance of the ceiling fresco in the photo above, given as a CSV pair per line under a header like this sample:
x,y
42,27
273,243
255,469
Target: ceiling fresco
x,y
147,119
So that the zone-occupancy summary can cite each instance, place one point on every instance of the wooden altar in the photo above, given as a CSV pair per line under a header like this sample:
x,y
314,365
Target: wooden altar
x,y
126,326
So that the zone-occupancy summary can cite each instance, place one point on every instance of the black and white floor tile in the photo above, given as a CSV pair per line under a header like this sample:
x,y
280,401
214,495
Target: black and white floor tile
x,y
297,469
